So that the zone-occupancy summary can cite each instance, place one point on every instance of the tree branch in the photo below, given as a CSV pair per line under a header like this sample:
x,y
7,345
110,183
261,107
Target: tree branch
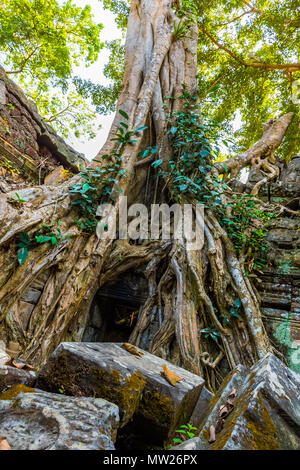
x,y
272,137
24,62
293,67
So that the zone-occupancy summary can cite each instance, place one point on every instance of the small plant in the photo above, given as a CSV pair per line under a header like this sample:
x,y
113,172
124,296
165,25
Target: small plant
x,y
18,199
234,311
24,244
85,194
49,234
44,234
5,163
211,332
182,29
185,432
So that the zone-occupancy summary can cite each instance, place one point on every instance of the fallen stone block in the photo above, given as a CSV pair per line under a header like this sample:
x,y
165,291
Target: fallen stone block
x,y
234,380
37,420
10,376
266,414
135,384
191,444
201,407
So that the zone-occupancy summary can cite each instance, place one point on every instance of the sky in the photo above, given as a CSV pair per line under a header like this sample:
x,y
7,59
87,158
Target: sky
x,y
95,73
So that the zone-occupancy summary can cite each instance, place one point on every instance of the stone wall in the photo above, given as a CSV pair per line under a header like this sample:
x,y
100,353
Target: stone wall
x,y
279,282
29,148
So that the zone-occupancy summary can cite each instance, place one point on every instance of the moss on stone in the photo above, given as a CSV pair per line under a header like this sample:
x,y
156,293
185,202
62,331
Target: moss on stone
x,y
255,433
157,408
124,393
15,390
91,381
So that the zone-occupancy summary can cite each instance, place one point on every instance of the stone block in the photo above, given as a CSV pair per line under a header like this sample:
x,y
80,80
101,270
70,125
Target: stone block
x,y
39,420
135,384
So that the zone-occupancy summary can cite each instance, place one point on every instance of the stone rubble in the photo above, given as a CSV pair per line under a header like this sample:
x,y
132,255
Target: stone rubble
x,y
266,413
135,384
38,420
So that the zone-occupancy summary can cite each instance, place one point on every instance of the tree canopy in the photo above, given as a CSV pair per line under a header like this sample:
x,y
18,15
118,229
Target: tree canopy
x,y
42,41
248,61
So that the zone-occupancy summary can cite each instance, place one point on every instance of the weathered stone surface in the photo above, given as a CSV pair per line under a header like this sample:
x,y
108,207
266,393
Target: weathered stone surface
x,y
201,407
279,282
292,173
134,383
48,421
279,287
266,415
191,444
234,380
10,376
55,177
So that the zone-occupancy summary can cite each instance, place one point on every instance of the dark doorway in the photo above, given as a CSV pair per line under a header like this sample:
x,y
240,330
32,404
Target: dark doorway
x,y
115,309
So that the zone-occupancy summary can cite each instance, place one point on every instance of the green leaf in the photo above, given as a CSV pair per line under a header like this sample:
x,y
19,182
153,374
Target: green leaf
x,y
237,303
43,239
156,163
19,199
24,238
125,115
173,130
177,440
22,255
140,129
234,312
145,153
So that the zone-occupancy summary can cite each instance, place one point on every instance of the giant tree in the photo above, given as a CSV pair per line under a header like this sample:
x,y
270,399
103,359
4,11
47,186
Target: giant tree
x,y
202,309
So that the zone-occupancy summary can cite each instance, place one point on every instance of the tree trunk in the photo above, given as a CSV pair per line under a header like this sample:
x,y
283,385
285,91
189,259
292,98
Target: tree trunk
x,y
183,297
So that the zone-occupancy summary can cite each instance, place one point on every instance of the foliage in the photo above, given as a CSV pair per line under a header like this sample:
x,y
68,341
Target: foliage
x,y
181,30
196,144
105,97
44,234
244,50
41,42
243,56
85,194
248,225
121,9
186,432
236,95
212,333
69,114
24,244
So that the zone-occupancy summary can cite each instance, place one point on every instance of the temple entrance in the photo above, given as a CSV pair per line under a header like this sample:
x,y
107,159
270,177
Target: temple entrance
x,y
115,309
